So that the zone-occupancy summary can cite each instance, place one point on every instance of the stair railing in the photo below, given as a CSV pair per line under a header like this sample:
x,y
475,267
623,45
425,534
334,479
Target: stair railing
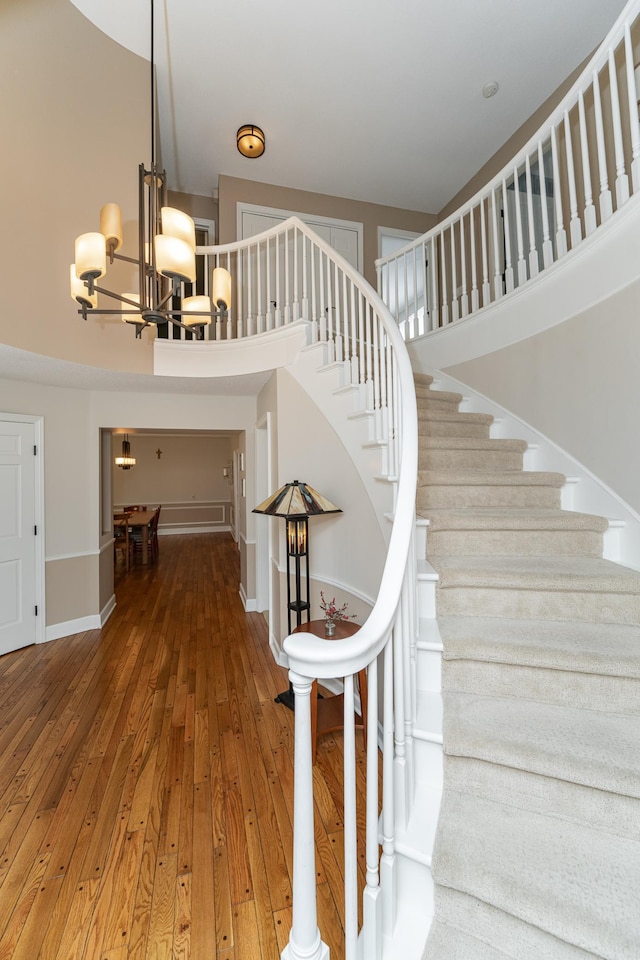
x,y
578,169
285,275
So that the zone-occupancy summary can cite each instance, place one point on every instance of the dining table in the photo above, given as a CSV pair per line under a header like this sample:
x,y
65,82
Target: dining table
x,y
141,520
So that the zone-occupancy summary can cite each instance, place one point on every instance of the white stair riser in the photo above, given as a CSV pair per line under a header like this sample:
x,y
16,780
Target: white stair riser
x,y
513,543
428,760
429,670
426,599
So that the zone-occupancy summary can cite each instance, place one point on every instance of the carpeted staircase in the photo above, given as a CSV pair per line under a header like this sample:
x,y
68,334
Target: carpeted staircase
x,y
537,852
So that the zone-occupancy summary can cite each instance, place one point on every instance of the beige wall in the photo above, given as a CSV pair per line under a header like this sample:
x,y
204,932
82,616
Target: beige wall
x,y
75,125
372,215
346,549
187,478
76,576
578,384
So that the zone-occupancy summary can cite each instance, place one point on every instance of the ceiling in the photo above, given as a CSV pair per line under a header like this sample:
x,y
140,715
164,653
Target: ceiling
x,y
365,99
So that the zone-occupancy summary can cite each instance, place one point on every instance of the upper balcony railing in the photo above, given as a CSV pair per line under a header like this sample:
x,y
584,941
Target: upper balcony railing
x,y
577,170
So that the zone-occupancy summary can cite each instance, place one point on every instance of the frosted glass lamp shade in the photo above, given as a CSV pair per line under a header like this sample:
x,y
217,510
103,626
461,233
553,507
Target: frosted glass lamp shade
x,y
131,317
177,224
79,290
200,305
111,224
250,141
91,257
221,288
175,258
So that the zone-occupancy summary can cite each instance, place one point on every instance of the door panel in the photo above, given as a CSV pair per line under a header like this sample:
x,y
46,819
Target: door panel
x,y
17,538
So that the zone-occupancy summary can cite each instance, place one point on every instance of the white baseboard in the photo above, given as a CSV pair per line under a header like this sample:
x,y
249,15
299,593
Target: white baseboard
x,y
108,609
55,631
66,629
249,604
200,528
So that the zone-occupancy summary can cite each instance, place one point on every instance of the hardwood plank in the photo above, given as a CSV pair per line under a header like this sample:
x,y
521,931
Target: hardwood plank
x,y
146,779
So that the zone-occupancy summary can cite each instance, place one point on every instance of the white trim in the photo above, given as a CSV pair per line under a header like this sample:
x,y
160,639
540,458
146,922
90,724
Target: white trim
x,y
309,218
248,543
172,530
248,604
340,584
73,556
69,627
39,506
108,609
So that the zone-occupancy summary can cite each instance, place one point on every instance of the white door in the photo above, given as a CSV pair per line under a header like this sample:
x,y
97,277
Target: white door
x,y
17,535
345,236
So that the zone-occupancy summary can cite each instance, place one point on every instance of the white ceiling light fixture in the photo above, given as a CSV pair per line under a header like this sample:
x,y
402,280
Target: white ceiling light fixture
x,y
250,141
166,257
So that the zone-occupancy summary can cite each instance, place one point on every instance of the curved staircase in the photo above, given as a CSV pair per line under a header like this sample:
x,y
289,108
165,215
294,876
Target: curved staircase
x,y
537,851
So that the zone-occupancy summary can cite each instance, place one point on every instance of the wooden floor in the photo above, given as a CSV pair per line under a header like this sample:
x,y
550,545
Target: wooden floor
x,y
146,780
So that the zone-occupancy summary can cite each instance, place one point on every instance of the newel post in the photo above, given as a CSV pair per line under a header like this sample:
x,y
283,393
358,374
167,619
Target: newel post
x,y
304,939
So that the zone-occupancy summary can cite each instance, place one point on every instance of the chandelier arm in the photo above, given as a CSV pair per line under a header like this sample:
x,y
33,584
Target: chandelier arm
x,y
121,256
116,296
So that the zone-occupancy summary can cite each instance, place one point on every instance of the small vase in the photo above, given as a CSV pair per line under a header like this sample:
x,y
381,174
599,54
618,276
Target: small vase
x,y
329,628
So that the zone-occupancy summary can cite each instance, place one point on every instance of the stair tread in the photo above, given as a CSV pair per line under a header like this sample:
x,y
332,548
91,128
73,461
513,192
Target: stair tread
x,y
570,743
609,649
534,573
455,416
465,928
580,886
512,518
472,443
485,478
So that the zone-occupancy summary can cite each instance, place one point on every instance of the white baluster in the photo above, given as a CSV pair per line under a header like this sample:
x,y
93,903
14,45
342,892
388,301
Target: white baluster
x,y
632,100
435,319
464,298
295,314
547,246
279,293
508,266
497,273
331,332
475,295
522,263
348,346
314,293
606,200
304,939
376,377
249,293
305,279
400,751
443,279
323,304
338,314
455,310
590,221
533,252
388,865
416,331
486,286
287,278
350,836
263,317
355,352
372,914
561,233
622,180
239,294
575,224
370,321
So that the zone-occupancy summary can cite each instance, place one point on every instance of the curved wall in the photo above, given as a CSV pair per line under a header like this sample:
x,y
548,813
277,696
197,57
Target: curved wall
x,y
562,353
74,115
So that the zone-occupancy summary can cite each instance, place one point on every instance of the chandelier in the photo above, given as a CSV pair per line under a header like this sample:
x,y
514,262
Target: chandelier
x,y
166,257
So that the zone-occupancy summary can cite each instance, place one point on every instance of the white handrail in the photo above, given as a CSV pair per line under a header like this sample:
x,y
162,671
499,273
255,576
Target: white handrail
x,y
581,142
285,275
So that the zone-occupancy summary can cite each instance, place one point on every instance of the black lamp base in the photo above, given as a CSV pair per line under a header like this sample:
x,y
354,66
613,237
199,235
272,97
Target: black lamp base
x,y
287,698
